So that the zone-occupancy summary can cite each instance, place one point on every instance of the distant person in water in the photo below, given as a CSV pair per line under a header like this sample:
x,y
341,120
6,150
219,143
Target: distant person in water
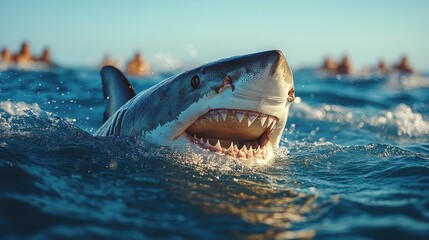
x,y
46,57
382,67
6,57
138,66
24,55
404,66
329,65
344,67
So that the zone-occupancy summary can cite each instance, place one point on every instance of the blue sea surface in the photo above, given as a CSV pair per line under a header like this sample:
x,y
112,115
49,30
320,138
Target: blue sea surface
x,y
353,164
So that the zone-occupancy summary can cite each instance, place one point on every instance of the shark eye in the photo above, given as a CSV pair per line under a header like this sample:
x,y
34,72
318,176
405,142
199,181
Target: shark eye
x,y
195,81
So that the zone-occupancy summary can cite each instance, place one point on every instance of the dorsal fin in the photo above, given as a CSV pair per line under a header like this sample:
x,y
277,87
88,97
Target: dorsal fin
x,y
117,90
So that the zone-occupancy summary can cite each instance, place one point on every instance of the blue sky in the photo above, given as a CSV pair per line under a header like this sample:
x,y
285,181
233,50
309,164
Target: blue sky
x,y
171,32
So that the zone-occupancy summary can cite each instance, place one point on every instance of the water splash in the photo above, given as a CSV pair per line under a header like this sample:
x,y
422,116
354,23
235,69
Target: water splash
x,y
19,108
402,119
59,177
406,82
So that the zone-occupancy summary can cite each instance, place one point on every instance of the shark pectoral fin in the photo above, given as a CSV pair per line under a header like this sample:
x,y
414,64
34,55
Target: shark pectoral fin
x,y
117,90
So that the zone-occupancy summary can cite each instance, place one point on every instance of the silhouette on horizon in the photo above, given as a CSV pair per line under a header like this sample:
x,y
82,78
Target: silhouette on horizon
x,y
138,66
345,66
404,65
24,57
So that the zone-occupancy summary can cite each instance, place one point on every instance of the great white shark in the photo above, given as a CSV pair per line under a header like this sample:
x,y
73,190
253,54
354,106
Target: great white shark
x,y
236,106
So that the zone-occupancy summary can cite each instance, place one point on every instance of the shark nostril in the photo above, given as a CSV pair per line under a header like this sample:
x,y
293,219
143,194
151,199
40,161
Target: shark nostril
x,y
228,81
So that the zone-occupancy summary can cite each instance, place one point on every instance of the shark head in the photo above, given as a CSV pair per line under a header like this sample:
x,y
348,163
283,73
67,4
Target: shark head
x,y
236,106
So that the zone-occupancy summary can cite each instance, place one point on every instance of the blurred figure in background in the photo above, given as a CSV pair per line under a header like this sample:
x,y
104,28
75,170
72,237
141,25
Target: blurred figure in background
x,y
345,66
24,56
404,66
138,66
382,67
6,57
46,57
329,65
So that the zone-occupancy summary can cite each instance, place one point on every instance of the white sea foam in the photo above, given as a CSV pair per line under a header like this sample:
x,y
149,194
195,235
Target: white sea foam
x,y
406,82
407,121
11,113
328,113
402,118
19,108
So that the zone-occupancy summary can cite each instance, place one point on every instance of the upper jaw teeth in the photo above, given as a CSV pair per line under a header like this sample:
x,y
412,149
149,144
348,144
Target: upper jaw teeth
x,y
251,118
242,116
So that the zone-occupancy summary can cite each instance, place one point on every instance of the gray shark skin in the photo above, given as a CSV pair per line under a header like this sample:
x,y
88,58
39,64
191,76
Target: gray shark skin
x,y
236,106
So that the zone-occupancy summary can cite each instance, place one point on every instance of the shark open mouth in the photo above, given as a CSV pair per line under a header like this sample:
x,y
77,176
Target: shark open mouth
x,y
237,133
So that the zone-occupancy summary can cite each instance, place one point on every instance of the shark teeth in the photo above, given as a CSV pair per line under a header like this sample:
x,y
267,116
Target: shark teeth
x,y
231,147
251,118
223,114
269,121
243,149
252,148
215,116
263,120
218,146
242,116
233,150
273,124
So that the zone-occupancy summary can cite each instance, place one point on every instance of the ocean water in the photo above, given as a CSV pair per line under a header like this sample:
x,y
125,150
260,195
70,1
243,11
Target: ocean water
x,y
353,164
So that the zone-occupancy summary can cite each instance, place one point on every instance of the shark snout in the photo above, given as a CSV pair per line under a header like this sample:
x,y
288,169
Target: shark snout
x,y
265,75
274,57
274,60
279,68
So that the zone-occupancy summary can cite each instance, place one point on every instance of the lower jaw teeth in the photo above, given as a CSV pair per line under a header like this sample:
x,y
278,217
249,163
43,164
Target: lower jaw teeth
x,y
247,150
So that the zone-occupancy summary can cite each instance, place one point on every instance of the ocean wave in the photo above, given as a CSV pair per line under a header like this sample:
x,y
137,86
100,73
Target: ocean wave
x,y
406,82
20,108
59,138
402,119
353,163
